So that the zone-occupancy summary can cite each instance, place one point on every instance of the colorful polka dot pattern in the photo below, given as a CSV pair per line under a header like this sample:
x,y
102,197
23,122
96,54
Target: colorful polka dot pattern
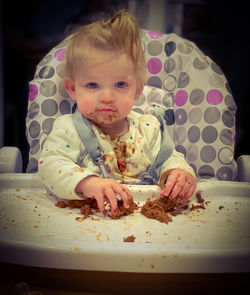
x,y
200,109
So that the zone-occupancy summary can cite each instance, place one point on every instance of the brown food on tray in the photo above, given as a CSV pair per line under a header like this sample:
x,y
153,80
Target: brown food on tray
x,y
162,209
129,239
89,207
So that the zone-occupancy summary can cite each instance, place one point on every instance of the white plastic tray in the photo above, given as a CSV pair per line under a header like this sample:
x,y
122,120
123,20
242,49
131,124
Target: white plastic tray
x,y
34,232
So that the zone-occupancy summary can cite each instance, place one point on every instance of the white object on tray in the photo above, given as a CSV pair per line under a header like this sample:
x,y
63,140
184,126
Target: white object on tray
x,y
33,231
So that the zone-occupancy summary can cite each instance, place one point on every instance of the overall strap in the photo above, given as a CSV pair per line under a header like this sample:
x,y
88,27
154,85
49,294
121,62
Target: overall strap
x,y
90,141
152,175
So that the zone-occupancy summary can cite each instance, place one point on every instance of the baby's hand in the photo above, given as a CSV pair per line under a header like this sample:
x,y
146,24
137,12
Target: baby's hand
x,y
104,188
180,184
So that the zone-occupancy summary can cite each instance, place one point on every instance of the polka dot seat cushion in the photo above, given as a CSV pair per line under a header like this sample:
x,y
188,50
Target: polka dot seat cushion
x,y
200,109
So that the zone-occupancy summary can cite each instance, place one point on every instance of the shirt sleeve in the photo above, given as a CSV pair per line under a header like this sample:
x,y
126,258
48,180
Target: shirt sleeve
x,y
176,160
58,165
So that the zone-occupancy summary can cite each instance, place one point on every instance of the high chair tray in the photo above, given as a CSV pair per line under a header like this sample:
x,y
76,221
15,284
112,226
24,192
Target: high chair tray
x,y
34,232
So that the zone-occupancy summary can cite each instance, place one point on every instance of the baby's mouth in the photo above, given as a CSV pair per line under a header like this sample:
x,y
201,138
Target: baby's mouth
x,y
106,110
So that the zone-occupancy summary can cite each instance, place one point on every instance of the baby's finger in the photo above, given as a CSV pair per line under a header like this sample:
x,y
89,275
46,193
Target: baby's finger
x,y
110,195
124,193
190,192
171,180
175,191
185,189
100,201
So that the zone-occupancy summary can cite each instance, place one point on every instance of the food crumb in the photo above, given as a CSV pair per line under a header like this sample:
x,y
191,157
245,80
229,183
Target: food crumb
x,y
129,239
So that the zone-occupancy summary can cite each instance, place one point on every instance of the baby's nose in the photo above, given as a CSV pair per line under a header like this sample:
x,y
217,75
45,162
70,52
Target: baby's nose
x,y
107,95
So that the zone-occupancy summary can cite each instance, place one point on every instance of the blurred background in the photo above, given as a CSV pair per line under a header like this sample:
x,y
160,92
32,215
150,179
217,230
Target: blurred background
x,y
29,29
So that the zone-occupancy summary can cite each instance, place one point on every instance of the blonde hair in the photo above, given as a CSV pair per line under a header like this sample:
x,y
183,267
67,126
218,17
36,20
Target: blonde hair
x,y
121,32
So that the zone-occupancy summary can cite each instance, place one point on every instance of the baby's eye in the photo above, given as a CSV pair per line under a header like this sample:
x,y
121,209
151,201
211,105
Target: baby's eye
x,y
92,85
121,84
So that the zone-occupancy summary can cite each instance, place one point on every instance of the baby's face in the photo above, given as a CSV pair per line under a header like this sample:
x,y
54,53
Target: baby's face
x,y
105,87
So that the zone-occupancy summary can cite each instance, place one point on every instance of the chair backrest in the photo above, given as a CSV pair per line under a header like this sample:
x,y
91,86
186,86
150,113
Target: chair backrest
x,y
200,109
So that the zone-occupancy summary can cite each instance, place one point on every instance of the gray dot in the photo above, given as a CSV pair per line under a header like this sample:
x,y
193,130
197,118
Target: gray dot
x,y
180,135
226,155
193,134
195,115
226,136
32,165
216,81
170,83
192,153
216,68
49,107
60,70
207,154
181,149
183,80
34,129
180,116
196,96
169,65
209,134
62,90
229,101
194,168
64,107
185,47
140,101
169,117
170,48
224,173
154,96
48,88
48,125
200,63
154,47
228,119
206,171
138,110
154,81
168,100
211,115
47,59
33,110
46,72
34,146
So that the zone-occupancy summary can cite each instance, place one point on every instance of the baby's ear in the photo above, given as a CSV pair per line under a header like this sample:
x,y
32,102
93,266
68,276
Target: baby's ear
x,y
69,85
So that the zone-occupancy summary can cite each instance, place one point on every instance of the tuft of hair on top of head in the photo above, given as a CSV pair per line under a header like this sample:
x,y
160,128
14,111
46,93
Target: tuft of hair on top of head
x,y
120,32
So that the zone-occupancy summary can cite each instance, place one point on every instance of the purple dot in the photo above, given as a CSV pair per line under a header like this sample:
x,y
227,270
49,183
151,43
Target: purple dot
x,y
33,91
154,65
59,54
214,97
154,35
181,98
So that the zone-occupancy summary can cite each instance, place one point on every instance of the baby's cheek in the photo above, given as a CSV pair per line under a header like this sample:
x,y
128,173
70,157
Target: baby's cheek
x,y
85,107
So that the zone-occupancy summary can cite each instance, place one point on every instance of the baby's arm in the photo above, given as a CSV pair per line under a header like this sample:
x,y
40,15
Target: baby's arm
x,y
103,188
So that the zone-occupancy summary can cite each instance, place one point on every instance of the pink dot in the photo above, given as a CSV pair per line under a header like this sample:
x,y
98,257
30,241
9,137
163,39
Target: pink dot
x,y
154,35
181,98
33,91
214,97
154,65
59,54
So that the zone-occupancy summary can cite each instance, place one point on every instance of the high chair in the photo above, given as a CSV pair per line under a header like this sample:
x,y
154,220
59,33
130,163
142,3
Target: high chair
x,y
200,114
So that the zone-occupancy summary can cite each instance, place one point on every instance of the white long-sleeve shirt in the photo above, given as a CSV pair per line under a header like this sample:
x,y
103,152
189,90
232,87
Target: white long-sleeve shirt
x,y
64,160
